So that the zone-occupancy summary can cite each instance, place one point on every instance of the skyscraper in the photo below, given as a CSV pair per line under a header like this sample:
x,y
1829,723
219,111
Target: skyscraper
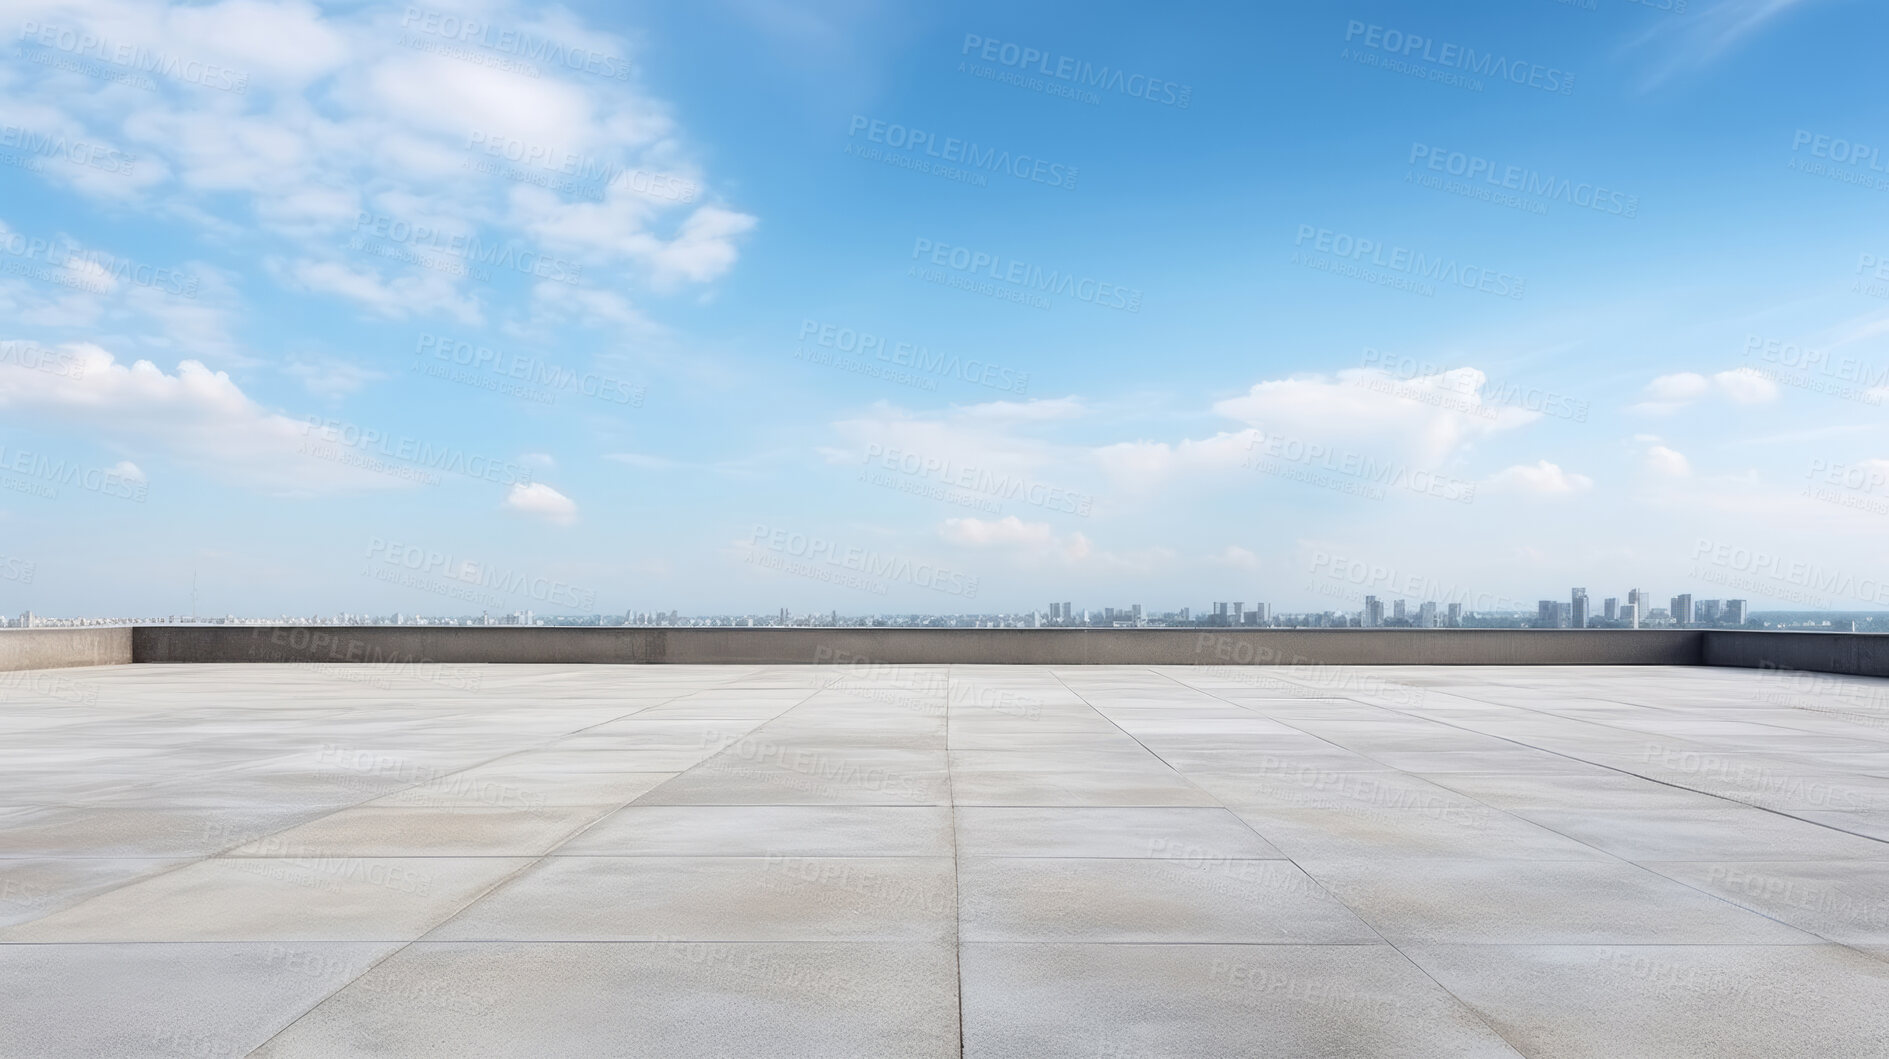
x,y
1734,612
1373,612
1706,611
1682,609
1426,615
1397,610
1577,609
1610,608
1262,613
1545,614
1637,598
1630,614
1456,616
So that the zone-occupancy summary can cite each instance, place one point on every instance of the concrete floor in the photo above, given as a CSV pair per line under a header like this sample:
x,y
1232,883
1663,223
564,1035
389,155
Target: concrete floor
x,y
208,860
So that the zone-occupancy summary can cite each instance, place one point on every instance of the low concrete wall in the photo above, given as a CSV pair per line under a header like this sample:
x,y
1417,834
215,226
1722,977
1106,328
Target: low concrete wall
x,y
788,646
1858,654
64,648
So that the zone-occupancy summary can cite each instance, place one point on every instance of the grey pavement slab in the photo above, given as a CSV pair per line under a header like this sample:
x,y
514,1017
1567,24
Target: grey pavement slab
x,y
648,1001
815,860
1659,1001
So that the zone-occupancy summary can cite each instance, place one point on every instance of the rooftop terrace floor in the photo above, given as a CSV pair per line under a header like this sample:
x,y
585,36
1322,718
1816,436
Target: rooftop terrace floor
x,y
212,860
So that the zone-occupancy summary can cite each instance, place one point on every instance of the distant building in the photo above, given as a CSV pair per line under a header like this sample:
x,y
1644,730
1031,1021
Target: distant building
x,y
1545,614
1630,615
1262,613
1397,611
1577,607
1734,612
1456,616
1610,608
1373,616
1426,615
1706,611
1682,609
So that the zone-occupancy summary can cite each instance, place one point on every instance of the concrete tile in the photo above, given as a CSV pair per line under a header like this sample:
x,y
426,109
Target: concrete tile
x,y
209,1000
257,899
641,1001
1657,1001
758,830
1842,900
35,887
1538,902
1403,834
1128,900
461,831
1076,788
1174,833
770,898
1231,1001
492,786
1705,834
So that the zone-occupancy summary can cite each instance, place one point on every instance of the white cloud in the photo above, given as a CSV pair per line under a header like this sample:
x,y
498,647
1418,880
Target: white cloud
x,y
1746,386
1541,478
1237,557
350,110
1662,460
1035,539
200,416
1669,393
1433,416
541,501
127,470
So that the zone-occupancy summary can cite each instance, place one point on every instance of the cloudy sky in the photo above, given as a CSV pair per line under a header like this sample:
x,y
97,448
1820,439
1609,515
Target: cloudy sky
x,y
747,304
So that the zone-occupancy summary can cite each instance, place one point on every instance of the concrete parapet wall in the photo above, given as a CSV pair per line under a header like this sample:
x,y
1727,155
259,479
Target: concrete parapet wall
x,y
63,648
1858,654
790,646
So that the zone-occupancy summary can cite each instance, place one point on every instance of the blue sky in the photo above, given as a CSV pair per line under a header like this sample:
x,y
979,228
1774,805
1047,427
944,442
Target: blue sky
x,y
358,308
